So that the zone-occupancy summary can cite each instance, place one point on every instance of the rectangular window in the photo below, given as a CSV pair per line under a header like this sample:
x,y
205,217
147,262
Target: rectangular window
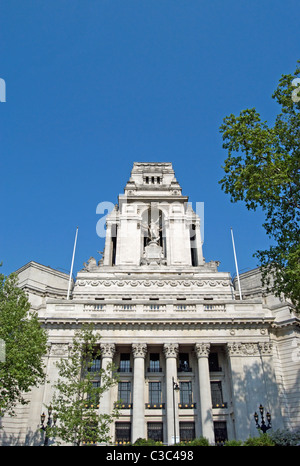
x,y
124,392
216,394
187,431
123,432
95,365
220,429
125,362
154,392
93,398
90,435
155,431
184,363
154,362
186,396
213,362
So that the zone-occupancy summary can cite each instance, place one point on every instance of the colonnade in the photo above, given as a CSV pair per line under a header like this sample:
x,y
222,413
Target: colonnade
x,y
139,351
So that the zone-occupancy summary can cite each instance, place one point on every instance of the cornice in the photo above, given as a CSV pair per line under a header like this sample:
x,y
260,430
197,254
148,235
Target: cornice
x,y
162,322
292,322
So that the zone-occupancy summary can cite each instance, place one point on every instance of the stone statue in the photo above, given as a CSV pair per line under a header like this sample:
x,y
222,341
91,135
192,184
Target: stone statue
x,y
154,231
90,265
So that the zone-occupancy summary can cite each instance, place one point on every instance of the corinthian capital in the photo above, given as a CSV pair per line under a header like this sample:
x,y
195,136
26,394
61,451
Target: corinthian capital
x,y
171,350
107,350
139,350
202,350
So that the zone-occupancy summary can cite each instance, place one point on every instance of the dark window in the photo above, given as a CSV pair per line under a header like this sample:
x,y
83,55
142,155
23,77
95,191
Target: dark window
x,y
216,394
124,392
155,431
124,362
184,363
187,431
220,430
154,392
123,432
213,361
154,362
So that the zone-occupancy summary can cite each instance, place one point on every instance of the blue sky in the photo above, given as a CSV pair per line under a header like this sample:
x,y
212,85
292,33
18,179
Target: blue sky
x,y
94,85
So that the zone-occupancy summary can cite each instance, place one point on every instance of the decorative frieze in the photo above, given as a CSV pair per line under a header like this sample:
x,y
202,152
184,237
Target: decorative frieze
x,y
151,283
249,349
59,350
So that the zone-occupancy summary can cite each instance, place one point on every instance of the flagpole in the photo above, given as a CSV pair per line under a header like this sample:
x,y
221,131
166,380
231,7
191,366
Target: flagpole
x,y
236,265
71,271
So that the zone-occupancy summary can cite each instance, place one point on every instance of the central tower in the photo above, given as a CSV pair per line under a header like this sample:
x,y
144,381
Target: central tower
x,y
153,223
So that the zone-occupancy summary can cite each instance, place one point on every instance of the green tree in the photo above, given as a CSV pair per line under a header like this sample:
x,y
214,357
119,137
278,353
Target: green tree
x,y
262,170
23,344
78,392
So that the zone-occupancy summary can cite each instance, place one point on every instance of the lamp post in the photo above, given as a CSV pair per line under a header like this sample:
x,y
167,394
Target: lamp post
x,y
175,387
46,427
262,426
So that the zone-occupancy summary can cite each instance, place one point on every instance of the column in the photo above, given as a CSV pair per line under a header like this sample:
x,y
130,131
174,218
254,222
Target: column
x,y
202,352
171,351
107,354
138,410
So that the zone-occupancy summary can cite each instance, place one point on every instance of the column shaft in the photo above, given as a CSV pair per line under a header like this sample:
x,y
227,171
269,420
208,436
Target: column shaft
x,y
107,354
171,351
138,410
202,351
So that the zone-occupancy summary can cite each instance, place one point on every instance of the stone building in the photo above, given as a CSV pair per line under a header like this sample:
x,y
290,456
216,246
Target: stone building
x,y
167,319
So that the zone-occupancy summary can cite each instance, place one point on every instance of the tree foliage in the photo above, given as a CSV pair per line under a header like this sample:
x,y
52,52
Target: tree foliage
x,y
77,398
262,169
23,345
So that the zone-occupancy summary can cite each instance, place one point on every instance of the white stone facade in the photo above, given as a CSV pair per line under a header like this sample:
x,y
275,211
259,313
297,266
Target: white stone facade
x,y
166,316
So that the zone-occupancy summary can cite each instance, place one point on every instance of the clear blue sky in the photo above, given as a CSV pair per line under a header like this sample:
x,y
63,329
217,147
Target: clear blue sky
x,y
94,85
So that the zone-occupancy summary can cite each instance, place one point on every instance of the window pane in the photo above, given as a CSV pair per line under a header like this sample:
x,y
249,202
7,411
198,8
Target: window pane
x,y
187,431
154,392
184,362
125,362
216,393
220,429
186,393
123,432
95,365
155,431
93,398
154,362
124,392
213,361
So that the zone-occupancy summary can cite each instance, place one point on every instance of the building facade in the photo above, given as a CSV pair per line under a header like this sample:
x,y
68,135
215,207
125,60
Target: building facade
x,y
193,358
